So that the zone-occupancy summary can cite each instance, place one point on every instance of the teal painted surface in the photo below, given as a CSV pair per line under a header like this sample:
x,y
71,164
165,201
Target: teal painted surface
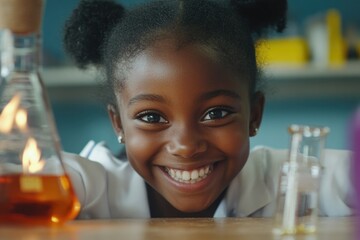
x,y
56,13
333,113
300,9
77,122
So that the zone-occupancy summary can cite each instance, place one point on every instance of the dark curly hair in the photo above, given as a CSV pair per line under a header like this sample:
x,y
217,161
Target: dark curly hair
x,y
103,34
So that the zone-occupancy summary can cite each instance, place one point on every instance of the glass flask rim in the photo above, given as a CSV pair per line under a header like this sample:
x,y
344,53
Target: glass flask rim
x,y
309,130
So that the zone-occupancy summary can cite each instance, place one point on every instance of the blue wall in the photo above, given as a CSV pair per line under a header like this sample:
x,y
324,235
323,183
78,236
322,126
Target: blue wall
x,y
333,113
79,122
56,12
300,9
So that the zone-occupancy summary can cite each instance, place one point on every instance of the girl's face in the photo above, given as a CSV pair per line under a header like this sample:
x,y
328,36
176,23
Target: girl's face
x,y
186,123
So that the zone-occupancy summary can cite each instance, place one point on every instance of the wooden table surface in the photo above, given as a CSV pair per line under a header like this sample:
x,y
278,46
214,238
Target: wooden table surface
x,y
173,229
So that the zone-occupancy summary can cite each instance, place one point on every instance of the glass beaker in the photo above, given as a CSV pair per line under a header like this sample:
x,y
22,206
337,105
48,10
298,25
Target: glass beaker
x,y
34,187
297,202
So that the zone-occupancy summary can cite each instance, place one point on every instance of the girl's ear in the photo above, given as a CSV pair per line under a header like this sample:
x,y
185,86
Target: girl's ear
x,y
115,120
257,109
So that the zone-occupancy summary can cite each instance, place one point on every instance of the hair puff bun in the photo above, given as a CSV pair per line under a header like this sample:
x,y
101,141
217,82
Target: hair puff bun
x,y
87,28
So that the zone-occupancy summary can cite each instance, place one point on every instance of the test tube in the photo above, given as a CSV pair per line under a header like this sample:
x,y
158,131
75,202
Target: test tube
x,y
297,202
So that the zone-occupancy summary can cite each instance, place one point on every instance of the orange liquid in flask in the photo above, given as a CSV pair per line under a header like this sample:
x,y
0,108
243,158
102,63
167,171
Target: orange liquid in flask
x,y
37,199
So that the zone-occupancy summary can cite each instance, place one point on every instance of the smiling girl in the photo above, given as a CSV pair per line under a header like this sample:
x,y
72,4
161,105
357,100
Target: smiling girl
x,y
181,80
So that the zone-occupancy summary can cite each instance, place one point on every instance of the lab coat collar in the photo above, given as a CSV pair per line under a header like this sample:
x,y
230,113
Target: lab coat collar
x,y
137,198
246,194
128,200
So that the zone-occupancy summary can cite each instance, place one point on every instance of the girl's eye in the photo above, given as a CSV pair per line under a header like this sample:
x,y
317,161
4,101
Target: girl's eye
x,y
151,117
216,113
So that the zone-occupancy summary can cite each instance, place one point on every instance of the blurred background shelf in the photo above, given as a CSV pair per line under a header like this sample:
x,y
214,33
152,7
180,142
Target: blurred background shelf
x,y
71,76
70,84
288,82
281,82
350,70
68,77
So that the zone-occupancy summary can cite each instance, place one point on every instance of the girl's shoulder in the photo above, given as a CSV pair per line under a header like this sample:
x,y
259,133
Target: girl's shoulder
x,y
106,186
99,152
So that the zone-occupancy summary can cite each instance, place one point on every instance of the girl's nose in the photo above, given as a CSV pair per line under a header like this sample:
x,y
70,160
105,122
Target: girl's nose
x,y
186,143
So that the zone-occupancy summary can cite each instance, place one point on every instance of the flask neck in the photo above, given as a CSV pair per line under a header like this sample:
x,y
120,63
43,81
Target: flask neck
x,y
26,53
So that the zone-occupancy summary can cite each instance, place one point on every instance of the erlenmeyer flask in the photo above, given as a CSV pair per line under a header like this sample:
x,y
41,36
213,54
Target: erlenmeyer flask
x,y
297,202
34,187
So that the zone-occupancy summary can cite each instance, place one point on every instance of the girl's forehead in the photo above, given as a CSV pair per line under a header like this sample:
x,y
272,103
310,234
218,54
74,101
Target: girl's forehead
x,y
191,61
188,71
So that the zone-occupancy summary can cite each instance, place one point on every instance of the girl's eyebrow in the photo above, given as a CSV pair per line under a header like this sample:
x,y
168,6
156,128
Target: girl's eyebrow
x,y
220,92
146,97
204,97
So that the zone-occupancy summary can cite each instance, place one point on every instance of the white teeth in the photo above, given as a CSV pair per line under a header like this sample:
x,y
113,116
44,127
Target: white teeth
x,y
194,174
201,172
177,174
185,176
189,176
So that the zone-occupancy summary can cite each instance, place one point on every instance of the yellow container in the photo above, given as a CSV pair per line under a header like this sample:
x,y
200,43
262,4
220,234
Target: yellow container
x,y
337,47
289,51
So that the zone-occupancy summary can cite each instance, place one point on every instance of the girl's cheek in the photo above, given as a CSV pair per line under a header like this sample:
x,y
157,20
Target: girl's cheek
x,y
141,147
231,139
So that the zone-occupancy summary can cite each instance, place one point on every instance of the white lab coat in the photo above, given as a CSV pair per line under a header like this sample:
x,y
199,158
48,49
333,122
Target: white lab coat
x,y
110,188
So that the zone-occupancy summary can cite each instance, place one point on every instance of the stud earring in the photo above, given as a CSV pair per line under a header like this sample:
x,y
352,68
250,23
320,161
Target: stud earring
x,y
120,139
254,131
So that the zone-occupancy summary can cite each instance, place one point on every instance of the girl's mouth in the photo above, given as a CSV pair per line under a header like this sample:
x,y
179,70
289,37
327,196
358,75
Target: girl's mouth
x,y
189,176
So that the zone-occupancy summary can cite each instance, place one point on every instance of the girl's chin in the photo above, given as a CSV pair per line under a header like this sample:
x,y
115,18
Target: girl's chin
x,y
196,207
191,209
